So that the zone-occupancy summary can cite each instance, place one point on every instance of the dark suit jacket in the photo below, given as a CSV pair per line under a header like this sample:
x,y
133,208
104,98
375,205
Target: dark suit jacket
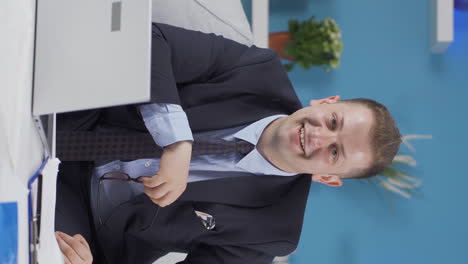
x,y
220,84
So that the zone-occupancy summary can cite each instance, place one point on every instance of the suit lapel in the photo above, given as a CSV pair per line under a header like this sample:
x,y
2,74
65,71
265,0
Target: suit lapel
x,y
246,191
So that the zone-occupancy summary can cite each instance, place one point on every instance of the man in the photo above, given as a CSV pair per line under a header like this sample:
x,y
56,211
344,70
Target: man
x,y
236,208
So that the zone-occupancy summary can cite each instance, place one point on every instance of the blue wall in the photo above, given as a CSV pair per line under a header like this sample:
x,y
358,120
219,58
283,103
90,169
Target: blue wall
x,y
386,57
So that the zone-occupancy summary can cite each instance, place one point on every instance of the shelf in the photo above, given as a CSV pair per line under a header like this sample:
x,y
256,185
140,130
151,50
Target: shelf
x,y
441,25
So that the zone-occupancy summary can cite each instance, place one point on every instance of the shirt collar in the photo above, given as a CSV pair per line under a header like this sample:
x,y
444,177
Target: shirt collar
x,y
254,162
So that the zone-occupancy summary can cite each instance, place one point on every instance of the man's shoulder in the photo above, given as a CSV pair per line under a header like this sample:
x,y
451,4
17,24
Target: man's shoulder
x,y
255,55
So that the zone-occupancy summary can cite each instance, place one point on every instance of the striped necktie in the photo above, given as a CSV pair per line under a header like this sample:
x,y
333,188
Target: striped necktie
x,y
91,146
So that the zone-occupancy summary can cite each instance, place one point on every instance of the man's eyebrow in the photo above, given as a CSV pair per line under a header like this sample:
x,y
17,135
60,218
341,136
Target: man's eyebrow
x,y
342,121
341,129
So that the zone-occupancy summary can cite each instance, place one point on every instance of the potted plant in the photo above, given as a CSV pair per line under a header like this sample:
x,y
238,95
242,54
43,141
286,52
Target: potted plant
x,y
309,43
395,179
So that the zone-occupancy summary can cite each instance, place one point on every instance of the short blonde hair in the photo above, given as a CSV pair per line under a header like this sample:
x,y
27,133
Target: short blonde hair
x,y
385,138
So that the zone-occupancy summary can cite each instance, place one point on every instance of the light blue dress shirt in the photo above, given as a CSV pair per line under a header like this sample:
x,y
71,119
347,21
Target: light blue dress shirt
x,y
168,124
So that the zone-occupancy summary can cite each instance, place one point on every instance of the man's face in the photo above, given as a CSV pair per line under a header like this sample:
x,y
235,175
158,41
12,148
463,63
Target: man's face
x,y
335,136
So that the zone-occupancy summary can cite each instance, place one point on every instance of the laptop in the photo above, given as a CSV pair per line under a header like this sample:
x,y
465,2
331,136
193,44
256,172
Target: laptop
x,y
91,54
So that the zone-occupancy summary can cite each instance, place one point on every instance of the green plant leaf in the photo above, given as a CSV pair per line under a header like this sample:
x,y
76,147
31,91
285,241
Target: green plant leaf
x,y
405,159
315,43
394,189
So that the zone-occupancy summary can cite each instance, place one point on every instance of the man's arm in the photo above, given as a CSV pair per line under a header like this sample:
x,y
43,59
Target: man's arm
x,y
179,56
170,129
167,123
186,56
170,181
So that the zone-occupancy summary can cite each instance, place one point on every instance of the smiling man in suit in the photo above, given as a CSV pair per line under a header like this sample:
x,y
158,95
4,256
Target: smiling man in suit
x,y
235,207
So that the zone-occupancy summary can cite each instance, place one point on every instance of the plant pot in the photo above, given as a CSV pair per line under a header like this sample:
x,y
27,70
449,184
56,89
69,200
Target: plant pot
x,y
278,41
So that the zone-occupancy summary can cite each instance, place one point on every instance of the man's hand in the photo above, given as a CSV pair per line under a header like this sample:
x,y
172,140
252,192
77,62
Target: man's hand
x,y
171,180
75,249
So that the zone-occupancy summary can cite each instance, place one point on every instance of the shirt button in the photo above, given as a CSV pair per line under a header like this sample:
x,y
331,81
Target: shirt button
x,y
147,164
117,167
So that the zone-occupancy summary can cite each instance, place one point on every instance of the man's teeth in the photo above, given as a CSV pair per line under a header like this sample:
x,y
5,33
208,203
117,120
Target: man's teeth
x,y
302,138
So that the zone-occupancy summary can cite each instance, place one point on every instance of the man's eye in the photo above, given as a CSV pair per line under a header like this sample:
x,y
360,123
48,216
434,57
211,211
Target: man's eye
x,y
333,122
334,152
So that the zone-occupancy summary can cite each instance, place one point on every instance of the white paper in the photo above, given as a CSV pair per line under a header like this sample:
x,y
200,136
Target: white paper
x,y
49,251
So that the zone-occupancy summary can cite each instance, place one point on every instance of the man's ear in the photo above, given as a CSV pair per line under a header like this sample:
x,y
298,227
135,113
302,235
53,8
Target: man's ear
x,y
330,180
328,100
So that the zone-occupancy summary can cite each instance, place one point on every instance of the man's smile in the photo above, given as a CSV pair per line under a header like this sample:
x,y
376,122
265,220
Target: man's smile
x,y
302,133
299,139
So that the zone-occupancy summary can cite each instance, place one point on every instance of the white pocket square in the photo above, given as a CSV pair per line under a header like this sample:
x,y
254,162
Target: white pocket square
x,y
207,220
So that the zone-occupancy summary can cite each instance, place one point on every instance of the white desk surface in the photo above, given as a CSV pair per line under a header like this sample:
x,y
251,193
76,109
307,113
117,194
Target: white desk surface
x,y
20,146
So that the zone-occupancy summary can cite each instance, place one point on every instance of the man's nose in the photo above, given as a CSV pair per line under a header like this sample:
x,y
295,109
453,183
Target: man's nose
x,y
322,140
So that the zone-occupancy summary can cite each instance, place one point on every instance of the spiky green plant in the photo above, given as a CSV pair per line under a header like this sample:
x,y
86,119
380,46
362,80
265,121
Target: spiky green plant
x,y
314,43
394,179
